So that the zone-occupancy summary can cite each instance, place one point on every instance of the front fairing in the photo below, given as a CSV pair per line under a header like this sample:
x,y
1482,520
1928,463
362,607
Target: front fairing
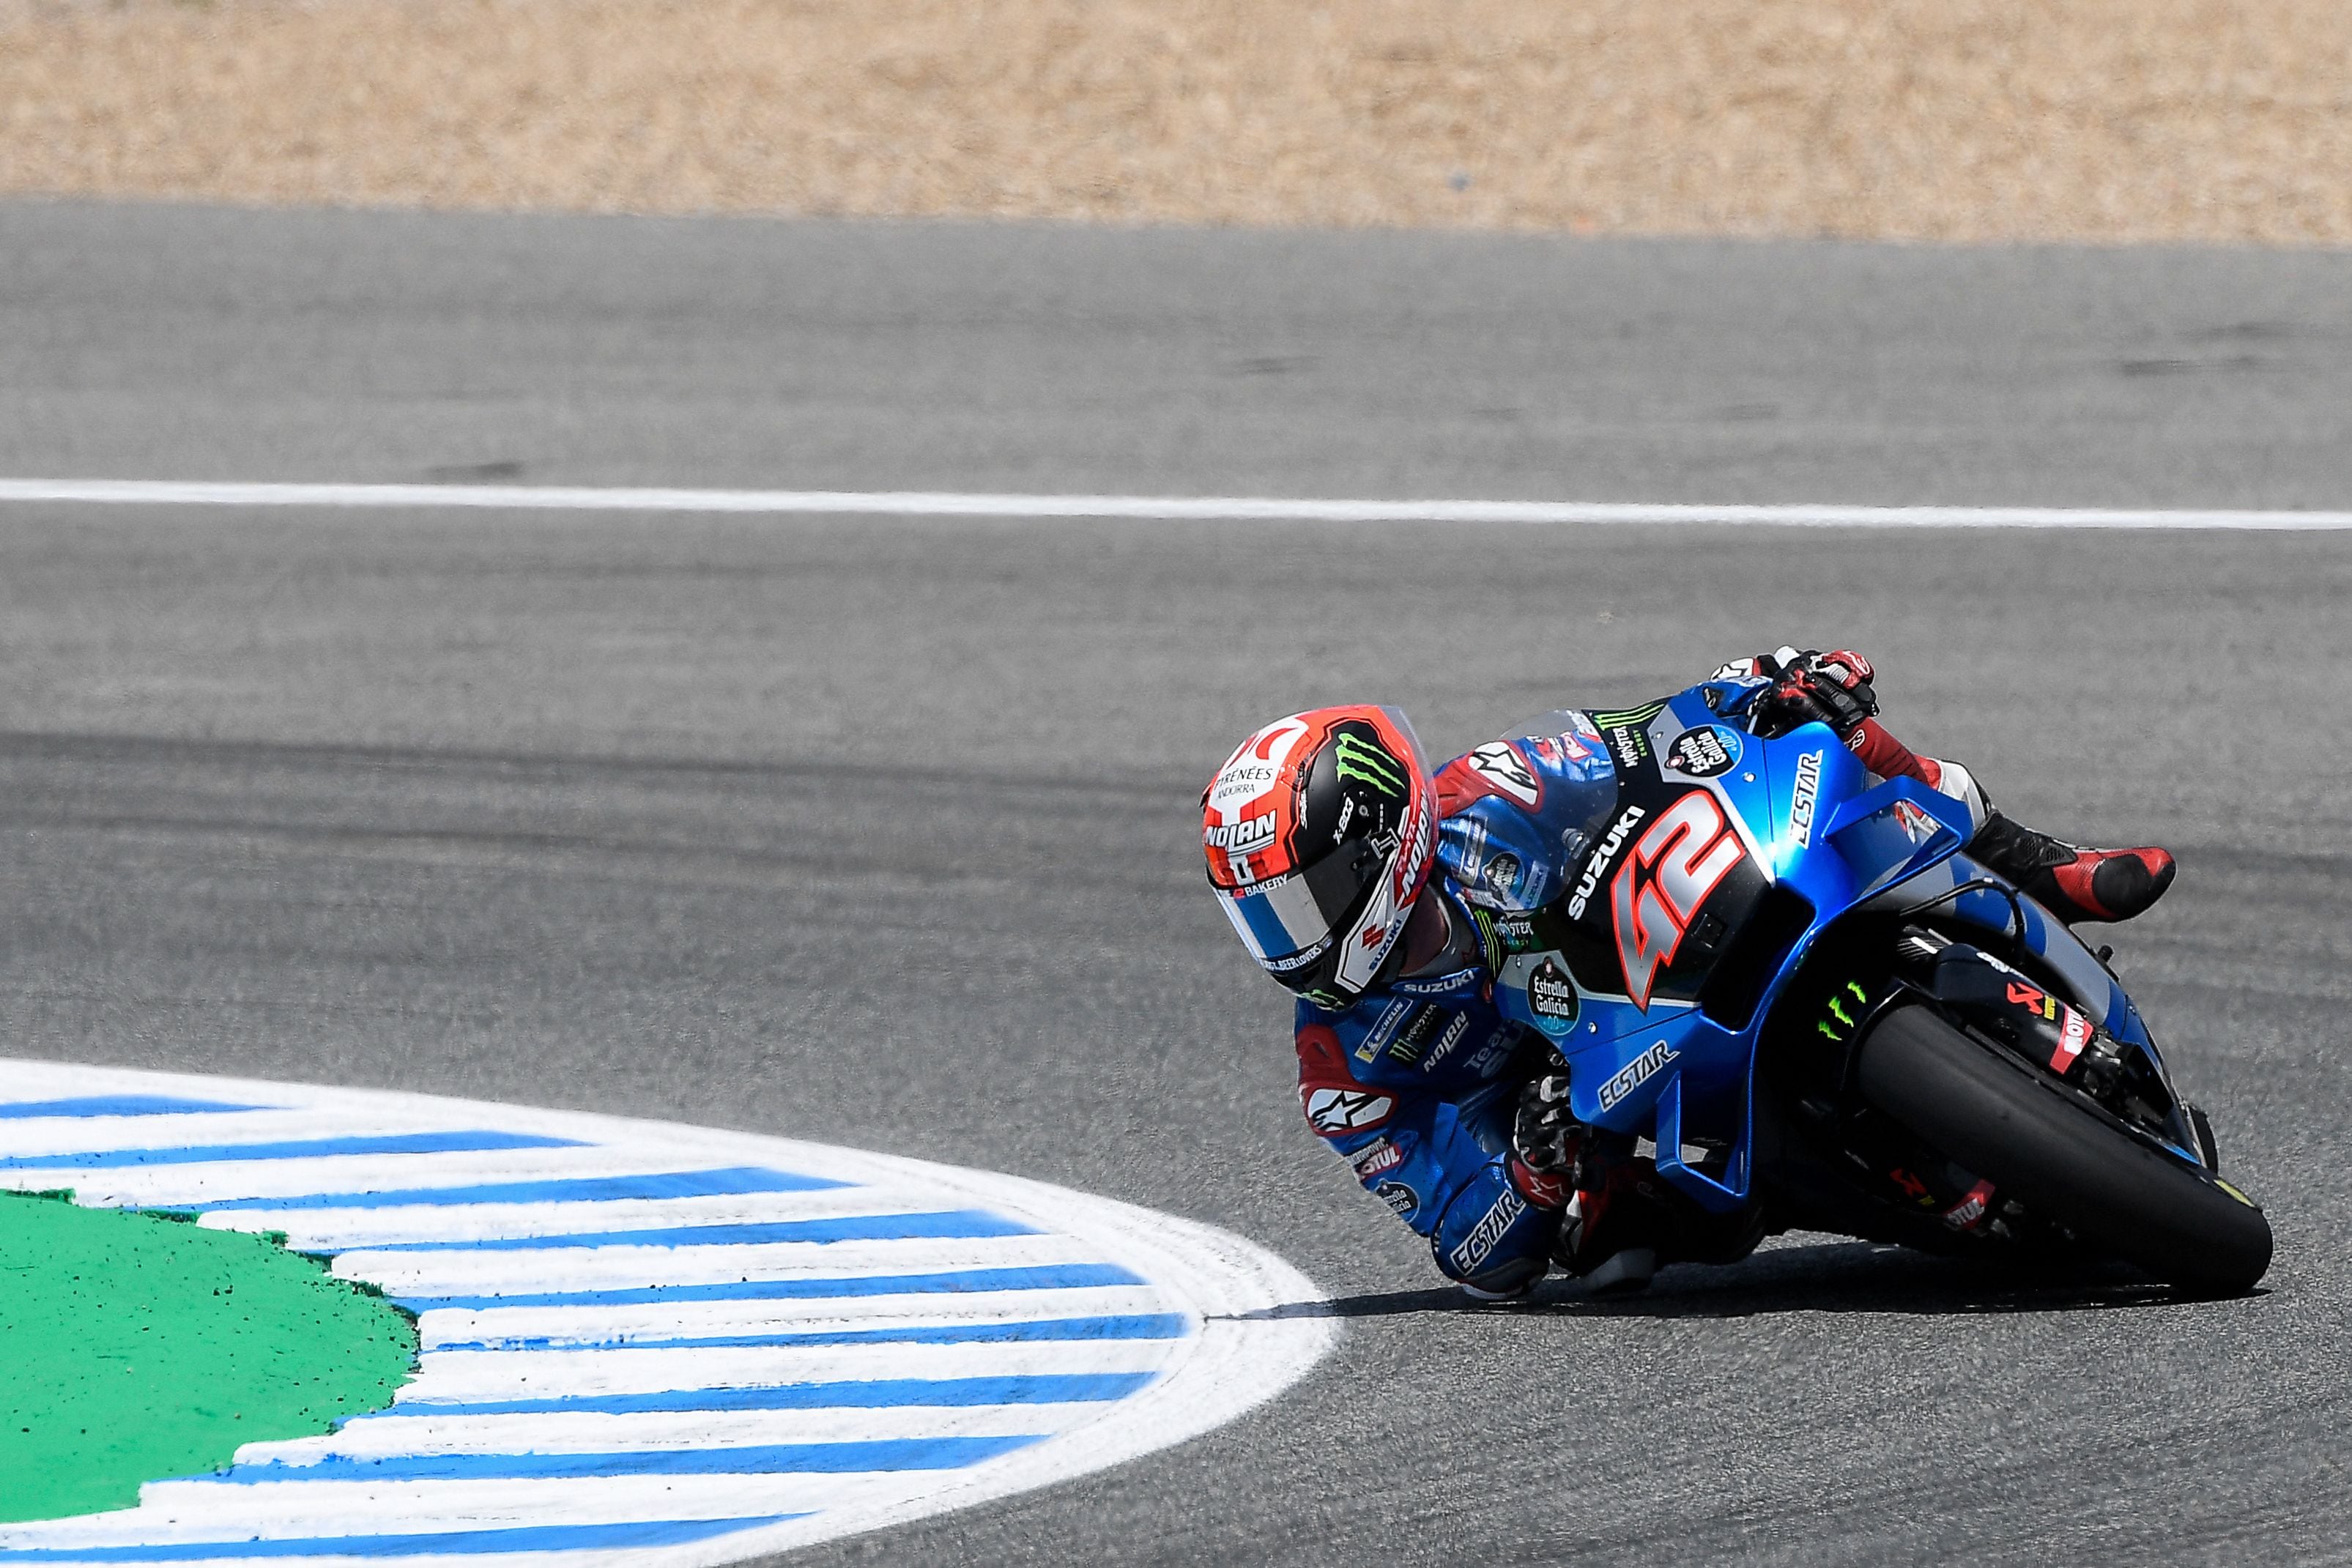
x,y
1730,835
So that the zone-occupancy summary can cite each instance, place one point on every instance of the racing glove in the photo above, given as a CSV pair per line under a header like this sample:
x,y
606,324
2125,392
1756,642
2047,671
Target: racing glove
x,y
1547,1143
1816,687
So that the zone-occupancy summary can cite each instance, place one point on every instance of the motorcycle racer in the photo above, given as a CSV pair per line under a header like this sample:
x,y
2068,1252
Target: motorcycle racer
x,y
1384,896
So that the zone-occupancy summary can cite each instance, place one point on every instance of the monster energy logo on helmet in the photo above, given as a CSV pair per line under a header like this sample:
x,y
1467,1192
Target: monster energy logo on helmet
x,y
1357,758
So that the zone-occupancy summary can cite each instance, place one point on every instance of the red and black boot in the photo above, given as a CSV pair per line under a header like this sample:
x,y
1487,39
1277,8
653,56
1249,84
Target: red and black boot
x,y
2073,883
1630,1221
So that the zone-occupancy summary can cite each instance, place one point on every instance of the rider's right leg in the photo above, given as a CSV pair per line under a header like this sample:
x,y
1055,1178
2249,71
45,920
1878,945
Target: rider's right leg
x,y
2071,880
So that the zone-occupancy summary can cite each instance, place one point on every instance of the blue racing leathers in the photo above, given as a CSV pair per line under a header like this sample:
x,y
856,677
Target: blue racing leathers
x,y
1417,1083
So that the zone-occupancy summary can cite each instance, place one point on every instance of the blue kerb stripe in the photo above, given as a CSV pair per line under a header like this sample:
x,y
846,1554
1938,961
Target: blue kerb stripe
x,y
1143,1325
963,1223
1039,1389
1040,1277
116,1106
455,1542
572,1189
302,1149
782,1459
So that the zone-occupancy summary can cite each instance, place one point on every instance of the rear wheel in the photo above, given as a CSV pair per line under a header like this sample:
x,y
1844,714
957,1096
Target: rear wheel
x,y
2032,1137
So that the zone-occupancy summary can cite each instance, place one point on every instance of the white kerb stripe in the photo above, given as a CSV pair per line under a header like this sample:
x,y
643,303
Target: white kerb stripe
x,y
366,1437
1201,508
910,1311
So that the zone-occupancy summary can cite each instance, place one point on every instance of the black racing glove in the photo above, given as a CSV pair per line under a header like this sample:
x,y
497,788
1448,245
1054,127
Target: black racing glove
x,y
1816,687
1547,1143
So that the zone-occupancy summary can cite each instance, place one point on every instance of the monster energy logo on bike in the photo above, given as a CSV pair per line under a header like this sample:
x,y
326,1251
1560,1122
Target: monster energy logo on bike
x,y
1357,758
1614,719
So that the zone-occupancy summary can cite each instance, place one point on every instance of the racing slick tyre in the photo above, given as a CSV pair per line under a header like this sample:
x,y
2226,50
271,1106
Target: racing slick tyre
x,y
2041,1142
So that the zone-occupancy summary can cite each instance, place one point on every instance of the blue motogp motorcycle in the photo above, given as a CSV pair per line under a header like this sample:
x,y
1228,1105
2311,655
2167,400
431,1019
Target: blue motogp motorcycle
x,y
1793,981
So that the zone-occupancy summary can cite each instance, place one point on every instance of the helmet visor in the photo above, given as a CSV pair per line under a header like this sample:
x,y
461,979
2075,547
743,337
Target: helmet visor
x,y
1289,922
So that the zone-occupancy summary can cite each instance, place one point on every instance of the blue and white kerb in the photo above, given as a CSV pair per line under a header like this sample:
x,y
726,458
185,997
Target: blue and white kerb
x,y
653,1343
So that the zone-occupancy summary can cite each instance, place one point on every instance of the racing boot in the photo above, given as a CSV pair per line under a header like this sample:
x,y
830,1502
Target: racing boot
x,y
1605,1233
2073,883
1628,1222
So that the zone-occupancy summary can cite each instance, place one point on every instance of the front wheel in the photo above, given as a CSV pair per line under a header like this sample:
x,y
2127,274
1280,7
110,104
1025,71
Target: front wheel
x,y
2028,1134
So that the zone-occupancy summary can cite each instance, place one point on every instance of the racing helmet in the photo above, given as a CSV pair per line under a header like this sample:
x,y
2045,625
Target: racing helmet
x,y
1318,831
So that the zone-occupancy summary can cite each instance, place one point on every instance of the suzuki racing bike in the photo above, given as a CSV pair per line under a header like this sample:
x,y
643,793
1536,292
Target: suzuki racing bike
x,y
1792,980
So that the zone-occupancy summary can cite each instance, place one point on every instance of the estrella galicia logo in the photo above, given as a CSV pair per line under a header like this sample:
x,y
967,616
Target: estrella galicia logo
x,y
1355,758
1398,1197
1551,997
1705,751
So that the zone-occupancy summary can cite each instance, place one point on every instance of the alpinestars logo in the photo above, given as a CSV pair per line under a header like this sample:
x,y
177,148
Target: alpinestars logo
x,y
1658,892
1358,758
1636,1073
1332,1111
1498,762
1598,864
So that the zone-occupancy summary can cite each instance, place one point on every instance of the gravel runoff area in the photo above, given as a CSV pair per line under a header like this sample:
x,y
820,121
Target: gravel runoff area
x,y
1957,119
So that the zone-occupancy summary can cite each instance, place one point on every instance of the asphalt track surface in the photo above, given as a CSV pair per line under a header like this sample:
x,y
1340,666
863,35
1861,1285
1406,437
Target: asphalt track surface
x,y
881,832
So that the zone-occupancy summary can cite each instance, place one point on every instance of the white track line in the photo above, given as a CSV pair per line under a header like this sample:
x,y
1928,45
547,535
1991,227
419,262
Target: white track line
x,y
1196,508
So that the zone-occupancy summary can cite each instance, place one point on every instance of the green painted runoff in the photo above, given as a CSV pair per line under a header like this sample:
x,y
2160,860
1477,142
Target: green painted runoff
x,y
135,1347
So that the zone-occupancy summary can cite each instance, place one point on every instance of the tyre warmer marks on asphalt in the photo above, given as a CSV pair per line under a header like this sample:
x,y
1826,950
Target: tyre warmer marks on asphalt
x,y
652,1344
